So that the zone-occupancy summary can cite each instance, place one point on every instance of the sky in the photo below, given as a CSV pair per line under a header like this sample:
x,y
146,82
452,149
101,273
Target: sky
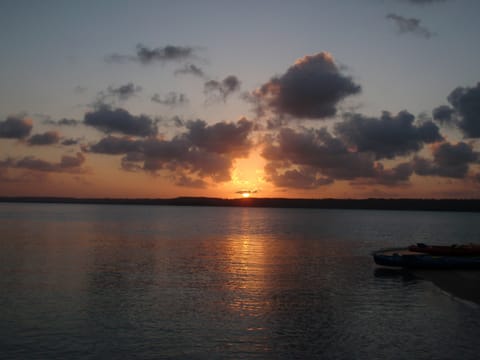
x,y
309,99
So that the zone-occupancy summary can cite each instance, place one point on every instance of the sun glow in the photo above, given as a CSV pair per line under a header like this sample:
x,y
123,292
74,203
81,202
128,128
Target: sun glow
x,y
245,194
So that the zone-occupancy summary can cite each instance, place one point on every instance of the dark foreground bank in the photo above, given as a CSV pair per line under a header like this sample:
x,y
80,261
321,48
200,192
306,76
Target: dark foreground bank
x,y
465,205
463,284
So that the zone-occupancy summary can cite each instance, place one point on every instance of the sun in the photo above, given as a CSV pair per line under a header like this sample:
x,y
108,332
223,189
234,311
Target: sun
x,y
245,194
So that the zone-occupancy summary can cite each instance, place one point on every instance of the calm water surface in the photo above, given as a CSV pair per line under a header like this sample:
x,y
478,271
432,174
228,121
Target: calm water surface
x,y
101,281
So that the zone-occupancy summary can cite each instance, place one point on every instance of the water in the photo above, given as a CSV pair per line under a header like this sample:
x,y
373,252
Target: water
x,y
123,282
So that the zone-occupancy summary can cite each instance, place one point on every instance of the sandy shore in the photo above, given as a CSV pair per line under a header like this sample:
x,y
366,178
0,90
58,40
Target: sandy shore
x,y
464,284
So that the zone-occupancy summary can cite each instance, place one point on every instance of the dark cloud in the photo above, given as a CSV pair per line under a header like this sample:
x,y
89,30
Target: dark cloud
x,y
171,99
70,142
186,181
311,88
71,164
410,25
221,137
444,114
466,103
398,175
221,89
178,155
246,192
146,55
201,151
113,145
388,136
15,128
190,69
312,158
123,92
132,161
120,121
302,178
61,122
47,138
448,161
315,153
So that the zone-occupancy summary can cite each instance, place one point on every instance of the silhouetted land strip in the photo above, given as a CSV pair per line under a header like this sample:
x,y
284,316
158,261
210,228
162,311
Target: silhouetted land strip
x,y
373,204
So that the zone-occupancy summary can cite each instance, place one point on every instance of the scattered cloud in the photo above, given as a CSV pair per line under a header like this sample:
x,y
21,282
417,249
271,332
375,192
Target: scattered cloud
x,y
301,178
146,55
70,142
70,164
221,89
15,128
61,122
313,156
47,138
171,99
222,137
311,88
123,92
388,136
120,121
410,25
113,145
396,176
190,182
448,161
444,115
190,69
202,151
466,103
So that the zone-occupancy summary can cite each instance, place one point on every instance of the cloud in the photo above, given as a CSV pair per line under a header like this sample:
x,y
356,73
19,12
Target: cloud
x,y
120,121
171,99
202,151
222,137
69,142
68,164
115,145
410,25
398,175
186,181
124,92
388,136
47,138
15,128
177,155
221,89
315,152
311,88
302,178
190,69
61,122
311,158
146,55
246,192
448,161
444,114
466,103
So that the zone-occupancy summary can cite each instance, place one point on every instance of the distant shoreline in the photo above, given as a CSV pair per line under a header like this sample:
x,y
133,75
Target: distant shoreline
x,y
463,205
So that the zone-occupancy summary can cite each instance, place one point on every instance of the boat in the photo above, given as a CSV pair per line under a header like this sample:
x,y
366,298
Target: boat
x,y
451,250
407,258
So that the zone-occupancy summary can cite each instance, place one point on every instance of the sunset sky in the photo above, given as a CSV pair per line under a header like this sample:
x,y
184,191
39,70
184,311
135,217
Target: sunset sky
x,y
311,99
